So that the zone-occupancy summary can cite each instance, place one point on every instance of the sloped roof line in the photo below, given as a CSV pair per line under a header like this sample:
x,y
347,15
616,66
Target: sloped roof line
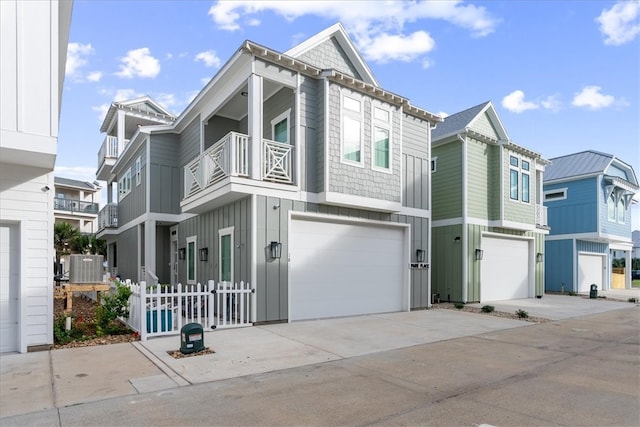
x,y
338,32
461,121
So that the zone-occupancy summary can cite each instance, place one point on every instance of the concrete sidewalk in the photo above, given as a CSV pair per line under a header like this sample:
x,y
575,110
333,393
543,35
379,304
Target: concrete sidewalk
x,y
61,378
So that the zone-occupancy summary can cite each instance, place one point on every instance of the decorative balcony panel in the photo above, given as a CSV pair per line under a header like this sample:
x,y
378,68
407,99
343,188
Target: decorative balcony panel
x,y
277,162
541,216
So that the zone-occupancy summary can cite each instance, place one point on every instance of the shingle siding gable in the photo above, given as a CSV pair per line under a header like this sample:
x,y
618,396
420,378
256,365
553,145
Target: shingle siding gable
x,y
329,55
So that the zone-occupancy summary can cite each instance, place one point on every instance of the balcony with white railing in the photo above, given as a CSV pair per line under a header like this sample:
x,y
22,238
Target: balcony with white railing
x,y
110,150
229,157
541,217
108,217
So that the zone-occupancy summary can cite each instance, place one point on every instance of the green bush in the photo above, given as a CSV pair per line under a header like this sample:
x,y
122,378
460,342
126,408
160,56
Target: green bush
x,y
113,306
522,314
487,308
458,305
571,294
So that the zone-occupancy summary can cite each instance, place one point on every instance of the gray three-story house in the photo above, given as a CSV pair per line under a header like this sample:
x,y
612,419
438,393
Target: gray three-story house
x,y
293,171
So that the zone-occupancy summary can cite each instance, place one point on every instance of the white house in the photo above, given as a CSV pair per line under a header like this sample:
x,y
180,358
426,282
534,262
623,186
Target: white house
x,y
33,51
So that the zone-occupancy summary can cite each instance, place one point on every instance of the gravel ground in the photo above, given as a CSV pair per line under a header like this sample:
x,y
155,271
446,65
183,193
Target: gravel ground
x,y
451,306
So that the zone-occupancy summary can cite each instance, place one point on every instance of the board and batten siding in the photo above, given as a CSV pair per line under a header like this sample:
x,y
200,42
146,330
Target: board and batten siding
x,y
559,265
446,262
166,174
310,119
25,206
133,204
277,104
128,253
416,162
578,213
205,226
446,181
217,127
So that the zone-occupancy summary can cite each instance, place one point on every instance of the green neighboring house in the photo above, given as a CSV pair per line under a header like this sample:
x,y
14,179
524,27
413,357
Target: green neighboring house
x,y
489,221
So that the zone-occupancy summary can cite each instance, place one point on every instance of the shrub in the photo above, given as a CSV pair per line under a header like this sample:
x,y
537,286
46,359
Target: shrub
x,y
487,308
571,294
522,314
633,300
113,306
458,305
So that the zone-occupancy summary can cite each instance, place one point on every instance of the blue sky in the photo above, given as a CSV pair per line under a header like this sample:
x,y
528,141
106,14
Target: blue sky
x,y
563,75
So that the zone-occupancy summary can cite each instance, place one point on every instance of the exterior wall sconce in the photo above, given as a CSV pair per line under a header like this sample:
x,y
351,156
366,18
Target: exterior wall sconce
x,y
276,250
420,255
182,253
456,239
479,254
539,257
204,254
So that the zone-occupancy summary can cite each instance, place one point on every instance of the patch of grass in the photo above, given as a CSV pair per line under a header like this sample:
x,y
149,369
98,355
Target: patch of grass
x,y
635,283
487,308
522,314
572,294
459,305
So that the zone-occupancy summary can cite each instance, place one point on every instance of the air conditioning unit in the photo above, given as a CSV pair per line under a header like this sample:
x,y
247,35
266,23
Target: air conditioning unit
x,y
85,268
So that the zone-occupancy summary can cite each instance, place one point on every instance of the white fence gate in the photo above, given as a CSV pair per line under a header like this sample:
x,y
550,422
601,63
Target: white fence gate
x,y
156,310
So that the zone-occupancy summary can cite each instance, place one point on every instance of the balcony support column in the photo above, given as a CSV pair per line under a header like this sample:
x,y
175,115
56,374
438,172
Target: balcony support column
x,y
255,126
120,130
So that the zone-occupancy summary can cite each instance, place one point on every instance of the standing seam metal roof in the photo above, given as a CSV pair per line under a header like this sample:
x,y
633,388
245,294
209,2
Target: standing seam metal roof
x,y
583,163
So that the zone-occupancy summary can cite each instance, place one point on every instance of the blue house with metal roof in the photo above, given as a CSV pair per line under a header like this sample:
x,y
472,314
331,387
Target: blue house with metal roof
x,y
588,197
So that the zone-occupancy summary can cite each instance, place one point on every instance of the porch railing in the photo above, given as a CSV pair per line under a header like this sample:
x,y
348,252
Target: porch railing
x,y
75,205
110,148
157,310
541,216
230,157
108,216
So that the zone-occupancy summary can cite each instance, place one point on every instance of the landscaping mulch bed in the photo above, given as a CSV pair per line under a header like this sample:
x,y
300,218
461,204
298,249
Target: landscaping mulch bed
x,y
177,354
451,306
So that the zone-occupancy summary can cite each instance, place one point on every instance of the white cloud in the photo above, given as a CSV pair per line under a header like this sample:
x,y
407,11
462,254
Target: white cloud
x,y
515,102
77,54
551,103
94,76
387,47
427,63
101,110
620,24
139,63
591,98
209,58
372,24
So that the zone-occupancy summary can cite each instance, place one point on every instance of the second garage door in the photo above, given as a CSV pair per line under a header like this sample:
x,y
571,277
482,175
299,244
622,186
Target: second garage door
x,y
344,269
504,269
590,271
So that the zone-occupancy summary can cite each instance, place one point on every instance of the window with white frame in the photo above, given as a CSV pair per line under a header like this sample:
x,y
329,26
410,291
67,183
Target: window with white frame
x,y
381,139
136,169
225,245
611,208
280,128
124,184
621,210
519,179
616,207
525,182
513,177
191,260
351,129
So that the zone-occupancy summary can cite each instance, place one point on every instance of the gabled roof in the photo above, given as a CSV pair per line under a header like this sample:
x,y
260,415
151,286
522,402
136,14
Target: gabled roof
x,y
461,122
73,183
143,105
585,163
338,33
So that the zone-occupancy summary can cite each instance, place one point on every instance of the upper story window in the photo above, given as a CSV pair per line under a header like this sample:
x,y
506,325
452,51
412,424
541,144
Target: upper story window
x,y
352,129
136,169
616,208
553,195
381,139
124,185
519,189
280,127
621,209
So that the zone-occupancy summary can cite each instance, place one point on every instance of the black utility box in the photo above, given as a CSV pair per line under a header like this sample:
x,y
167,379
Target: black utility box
x,y
191,338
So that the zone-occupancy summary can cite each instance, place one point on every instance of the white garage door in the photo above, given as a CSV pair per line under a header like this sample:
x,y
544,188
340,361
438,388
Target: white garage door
x,y
590,271
344,269
504,269
9,282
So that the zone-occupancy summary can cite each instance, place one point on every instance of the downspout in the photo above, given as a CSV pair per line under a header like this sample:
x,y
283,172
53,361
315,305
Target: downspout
x,y
465,233
325,132
430,128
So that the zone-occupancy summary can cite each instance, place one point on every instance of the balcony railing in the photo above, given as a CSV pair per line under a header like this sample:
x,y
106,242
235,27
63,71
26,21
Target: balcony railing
x,y
75,206
110,149
541,216
230,157
108,217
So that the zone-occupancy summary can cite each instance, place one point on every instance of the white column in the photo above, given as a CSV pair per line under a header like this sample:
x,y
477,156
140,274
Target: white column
x,y
255,125
149,249
120,131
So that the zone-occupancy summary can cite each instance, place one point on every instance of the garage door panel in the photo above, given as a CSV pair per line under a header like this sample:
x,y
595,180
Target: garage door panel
x,y
504,269
344,269
590,271
9,291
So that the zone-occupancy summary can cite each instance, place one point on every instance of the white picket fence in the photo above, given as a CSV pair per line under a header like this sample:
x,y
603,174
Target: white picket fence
x,y
157,310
